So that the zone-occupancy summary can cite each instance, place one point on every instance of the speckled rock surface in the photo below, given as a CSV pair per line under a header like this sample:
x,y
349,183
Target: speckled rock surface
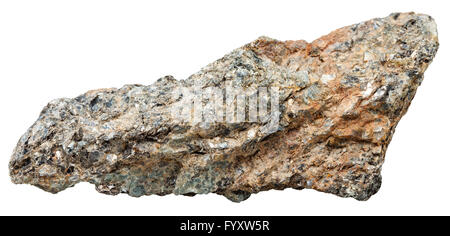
x,y
339,101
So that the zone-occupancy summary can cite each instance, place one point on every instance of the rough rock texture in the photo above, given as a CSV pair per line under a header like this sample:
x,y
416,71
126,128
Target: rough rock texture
x,y
340,99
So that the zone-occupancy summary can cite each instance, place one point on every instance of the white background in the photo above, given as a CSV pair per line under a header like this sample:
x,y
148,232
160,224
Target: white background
x,y
52,49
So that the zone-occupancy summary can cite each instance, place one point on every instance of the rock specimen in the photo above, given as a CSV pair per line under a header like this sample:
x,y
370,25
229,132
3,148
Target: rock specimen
x,y
334,105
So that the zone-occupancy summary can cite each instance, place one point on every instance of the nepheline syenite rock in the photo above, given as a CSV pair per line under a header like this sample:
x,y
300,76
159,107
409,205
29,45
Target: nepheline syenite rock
x,y
338,101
